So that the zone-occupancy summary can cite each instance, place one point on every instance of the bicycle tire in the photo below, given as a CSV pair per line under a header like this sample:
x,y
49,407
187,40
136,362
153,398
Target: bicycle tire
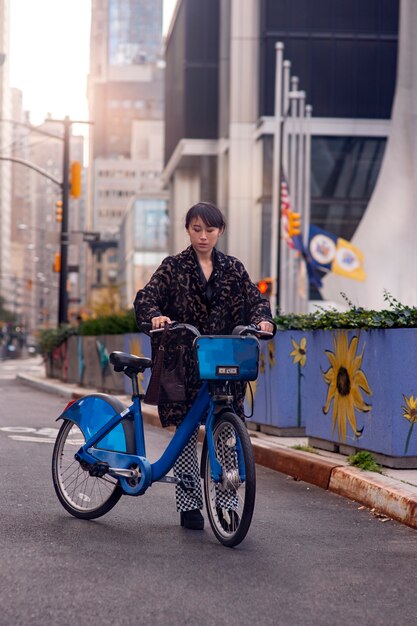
x,y
230,504
82,495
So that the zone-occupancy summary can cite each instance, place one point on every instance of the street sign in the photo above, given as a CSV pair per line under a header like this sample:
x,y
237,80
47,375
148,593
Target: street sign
x,y
91,236
73,268
74,300
76,237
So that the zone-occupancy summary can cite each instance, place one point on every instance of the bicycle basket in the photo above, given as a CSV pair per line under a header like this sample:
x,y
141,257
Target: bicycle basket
x,y
227,357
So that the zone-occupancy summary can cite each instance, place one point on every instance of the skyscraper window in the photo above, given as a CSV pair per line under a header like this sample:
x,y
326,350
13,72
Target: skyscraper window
x,y
133,37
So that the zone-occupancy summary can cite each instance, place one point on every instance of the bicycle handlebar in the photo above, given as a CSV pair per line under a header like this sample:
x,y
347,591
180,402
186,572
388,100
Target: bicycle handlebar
x,y
251,329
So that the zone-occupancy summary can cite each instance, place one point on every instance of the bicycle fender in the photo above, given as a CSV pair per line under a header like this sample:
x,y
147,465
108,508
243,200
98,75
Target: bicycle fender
x,y
92,412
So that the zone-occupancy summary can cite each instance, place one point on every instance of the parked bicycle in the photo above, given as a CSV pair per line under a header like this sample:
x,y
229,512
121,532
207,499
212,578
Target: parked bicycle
x,y
110,458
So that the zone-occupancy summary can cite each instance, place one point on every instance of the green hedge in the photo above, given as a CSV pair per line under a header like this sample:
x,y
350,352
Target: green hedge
x,y
396,316
49,338
110,325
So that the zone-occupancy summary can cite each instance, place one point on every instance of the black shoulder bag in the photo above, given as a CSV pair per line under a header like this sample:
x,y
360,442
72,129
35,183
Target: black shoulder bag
x,y
166,385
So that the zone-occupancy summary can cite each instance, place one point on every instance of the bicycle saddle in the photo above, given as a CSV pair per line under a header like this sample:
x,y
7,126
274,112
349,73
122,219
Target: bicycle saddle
x,y
123,360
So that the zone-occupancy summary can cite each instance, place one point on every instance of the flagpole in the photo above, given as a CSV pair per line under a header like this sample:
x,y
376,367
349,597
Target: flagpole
x,y
301,290
292,182
283,264
307,164
276,182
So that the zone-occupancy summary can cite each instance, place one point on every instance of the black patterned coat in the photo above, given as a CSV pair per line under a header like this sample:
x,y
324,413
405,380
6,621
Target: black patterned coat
x,y
177,290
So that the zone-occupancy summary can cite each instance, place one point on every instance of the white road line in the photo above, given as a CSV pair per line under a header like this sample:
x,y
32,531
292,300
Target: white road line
x,y
31,439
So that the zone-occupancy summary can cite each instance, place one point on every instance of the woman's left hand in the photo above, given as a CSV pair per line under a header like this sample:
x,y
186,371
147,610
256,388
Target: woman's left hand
x,y
266,327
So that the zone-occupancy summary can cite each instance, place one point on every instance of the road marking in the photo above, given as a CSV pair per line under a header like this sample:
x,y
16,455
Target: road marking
x,y
31,439
18,429
37,435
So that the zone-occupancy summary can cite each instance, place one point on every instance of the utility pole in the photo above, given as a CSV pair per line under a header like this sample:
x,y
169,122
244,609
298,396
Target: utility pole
x,y
63,274
65,186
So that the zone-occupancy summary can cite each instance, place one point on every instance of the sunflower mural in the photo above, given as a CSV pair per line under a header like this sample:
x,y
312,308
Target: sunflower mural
x,y
346,382
299,355
410,414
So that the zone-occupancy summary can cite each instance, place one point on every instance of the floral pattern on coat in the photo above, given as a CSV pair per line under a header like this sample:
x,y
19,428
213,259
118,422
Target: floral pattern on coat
x,y
177,290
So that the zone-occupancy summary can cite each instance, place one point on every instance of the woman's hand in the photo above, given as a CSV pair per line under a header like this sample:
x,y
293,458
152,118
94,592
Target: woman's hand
x,y
160,321
266,327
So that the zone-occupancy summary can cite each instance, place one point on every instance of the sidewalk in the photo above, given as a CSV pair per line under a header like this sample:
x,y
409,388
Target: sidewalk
x,y
392,494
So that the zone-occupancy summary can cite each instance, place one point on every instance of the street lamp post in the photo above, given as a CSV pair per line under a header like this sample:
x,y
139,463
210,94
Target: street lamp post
x,y
65,190
63,274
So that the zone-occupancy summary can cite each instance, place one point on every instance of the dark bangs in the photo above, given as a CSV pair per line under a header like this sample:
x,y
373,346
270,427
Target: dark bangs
x,y
208,212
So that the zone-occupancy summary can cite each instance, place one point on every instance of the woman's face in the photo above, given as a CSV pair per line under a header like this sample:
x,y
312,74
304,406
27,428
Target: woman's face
x,y
203,238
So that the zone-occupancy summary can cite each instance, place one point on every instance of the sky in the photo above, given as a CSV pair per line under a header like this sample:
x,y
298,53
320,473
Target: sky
x,y
49,55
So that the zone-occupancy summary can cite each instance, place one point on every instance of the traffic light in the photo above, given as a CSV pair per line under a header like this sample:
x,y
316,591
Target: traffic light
x,y
57,262
75,179
265,286
294,224
58,211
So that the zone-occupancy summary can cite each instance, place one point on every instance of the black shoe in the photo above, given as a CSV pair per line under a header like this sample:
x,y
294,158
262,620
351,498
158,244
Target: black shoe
x,y
192,519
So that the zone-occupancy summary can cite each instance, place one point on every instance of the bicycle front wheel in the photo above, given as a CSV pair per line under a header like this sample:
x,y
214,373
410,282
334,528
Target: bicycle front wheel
x,y
230,503
81,494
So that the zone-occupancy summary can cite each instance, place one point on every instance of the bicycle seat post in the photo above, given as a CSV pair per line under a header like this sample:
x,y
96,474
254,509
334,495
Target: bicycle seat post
x,y
135,387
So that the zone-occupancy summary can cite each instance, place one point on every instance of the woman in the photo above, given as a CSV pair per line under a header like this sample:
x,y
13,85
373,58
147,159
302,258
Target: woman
x,y
212,291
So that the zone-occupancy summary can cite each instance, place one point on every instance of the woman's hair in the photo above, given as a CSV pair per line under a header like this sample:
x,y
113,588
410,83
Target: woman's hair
x,y
208,212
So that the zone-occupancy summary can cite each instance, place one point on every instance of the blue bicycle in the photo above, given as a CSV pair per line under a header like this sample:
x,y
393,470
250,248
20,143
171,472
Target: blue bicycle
x,y
100,454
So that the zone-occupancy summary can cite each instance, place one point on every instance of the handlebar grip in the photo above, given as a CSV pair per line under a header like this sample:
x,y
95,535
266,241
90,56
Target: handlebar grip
x,y
252,329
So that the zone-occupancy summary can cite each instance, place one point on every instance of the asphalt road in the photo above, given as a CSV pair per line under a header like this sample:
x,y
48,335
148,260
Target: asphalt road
x,y
310,558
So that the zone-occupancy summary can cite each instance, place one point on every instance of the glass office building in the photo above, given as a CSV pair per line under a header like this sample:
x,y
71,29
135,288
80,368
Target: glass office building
x,y
220,90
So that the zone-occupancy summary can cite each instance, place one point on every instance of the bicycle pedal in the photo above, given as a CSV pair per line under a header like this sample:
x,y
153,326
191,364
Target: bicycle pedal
x,y
187,482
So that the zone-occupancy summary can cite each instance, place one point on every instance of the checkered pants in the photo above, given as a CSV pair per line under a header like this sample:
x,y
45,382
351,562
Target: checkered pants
x,y
187,463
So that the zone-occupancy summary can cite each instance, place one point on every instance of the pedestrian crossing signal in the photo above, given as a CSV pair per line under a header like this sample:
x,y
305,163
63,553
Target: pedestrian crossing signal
x,y
265,286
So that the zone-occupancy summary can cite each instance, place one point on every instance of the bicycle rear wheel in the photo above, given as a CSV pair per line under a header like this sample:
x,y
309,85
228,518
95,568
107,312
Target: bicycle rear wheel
x,y
81,494
230,503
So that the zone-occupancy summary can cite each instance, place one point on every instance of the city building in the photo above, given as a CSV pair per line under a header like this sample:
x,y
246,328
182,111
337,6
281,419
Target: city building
x,y
143,242
125,86
43,231
125,91
6,278
220,86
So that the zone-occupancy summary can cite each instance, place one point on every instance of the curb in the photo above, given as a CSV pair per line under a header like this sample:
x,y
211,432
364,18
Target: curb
x,y
45,386
379,493
296,463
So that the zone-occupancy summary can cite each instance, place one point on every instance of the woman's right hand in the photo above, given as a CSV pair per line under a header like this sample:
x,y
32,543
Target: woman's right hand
x,y
160,321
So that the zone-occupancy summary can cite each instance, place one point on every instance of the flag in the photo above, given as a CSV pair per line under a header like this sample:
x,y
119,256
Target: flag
x,y
314,277
322,248
348,261
330,253
285,208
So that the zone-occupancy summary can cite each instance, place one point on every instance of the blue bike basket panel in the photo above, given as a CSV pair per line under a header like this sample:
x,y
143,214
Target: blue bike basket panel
x,y
227,357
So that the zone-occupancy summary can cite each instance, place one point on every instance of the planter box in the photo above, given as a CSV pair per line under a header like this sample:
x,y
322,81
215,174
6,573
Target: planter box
x,y
348,390
359,388
279,393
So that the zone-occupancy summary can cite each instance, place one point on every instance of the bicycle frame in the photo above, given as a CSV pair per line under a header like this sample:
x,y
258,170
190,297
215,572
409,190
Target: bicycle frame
x,y
154,472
